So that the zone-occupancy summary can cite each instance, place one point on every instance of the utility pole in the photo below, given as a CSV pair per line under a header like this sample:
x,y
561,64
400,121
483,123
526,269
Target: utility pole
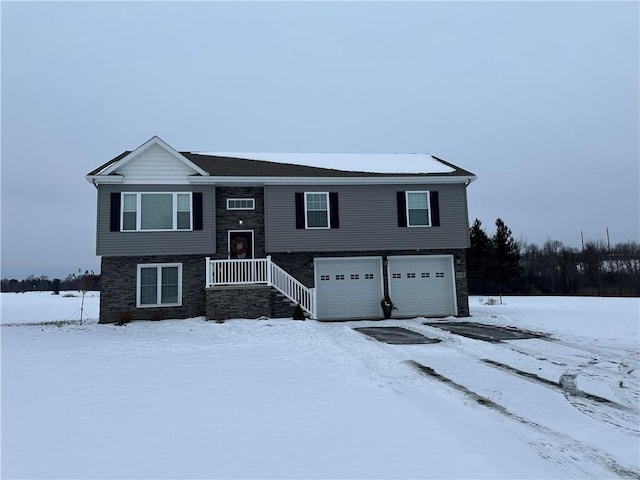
x,y
608,242
582,239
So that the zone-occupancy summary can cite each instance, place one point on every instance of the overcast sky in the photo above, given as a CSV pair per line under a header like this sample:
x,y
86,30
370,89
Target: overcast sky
x,y
539,99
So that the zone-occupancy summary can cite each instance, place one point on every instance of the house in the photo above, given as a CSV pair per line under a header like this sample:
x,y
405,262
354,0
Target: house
x,y
184,234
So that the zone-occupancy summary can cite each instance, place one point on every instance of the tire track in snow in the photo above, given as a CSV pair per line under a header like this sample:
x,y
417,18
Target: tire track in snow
x,y
600,408
572,453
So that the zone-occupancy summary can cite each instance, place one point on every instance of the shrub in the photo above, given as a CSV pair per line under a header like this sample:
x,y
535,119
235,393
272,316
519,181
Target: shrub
x,y
298,313
124,318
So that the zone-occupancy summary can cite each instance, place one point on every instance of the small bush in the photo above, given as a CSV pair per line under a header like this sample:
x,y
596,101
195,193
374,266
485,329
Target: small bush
x,y
493,301
124,318
298,313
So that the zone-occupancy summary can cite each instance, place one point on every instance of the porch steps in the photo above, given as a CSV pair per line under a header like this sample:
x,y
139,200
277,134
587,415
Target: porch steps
x,y
281,305
259,271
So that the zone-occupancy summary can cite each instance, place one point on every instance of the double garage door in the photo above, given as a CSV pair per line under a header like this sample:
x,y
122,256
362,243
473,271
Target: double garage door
x,y
352,287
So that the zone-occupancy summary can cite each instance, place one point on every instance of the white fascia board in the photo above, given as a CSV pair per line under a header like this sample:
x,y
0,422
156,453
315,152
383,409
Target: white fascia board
x,y
328,180
155,140
156,182
97,179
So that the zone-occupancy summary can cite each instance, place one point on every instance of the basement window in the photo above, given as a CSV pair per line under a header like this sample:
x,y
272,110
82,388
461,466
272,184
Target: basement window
x,y
159,285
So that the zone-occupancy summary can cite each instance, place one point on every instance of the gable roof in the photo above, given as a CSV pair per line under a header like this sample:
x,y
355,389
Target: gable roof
x,y
274,166
125,157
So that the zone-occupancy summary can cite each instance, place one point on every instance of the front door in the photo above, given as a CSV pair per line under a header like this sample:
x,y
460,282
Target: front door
x,y
240,243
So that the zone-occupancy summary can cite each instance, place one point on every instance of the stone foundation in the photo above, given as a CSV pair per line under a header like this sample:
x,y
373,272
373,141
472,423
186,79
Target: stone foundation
x,y
119,284
238,301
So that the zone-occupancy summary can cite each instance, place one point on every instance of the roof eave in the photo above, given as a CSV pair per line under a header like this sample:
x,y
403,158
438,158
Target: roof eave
x,y
100,179
218,180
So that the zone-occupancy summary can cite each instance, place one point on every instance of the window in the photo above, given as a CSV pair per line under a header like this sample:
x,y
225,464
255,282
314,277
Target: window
x,y
159,285
156,211
316,206
418,209
317,210
241,204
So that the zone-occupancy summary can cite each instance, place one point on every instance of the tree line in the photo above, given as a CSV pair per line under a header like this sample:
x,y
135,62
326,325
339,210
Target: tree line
x,y
498,264
87,281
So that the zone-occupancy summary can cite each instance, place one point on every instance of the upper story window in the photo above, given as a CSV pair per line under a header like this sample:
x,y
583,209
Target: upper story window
x,y
241,204
418,209
156,211
316,207
316,210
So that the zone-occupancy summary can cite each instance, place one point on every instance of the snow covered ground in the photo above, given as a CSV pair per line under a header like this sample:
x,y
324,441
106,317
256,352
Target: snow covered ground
x,y
289,399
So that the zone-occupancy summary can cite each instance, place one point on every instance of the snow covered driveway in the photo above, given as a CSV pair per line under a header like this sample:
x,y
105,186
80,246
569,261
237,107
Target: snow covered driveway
x,y
287,399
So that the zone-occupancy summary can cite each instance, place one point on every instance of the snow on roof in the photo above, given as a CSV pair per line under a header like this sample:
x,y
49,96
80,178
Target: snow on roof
x,y
362,162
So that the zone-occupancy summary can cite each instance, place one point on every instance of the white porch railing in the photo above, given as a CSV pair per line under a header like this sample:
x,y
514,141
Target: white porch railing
x,y
259,271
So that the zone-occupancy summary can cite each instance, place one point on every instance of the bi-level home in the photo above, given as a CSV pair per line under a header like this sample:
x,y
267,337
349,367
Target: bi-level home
x,y
184,234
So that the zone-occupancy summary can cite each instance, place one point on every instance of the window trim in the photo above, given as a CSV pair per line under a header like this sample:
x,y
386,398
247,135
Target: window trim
x,y
306,210
158,267
406,198
252,207
174,216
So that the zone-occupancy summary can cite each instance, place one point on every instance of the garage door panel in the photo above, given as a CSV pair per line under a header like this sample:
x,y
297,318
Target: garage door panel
x,y
422,285
348,287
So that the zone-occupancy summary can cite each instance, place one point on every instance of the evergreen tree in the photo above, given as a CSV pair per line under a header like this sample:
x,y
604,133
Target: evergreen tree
x,y
479,257
506,259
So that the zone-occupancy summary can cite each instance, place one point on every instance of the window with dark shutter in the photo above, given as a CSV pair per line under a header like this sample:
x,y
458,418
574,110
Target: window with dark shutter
x,y
317,210
418,208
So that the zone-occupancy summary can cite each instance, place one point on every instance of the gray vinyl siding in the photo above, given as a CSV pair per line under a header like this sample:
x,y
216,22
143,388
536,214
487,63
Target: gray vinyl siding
x,y
155,243
368,220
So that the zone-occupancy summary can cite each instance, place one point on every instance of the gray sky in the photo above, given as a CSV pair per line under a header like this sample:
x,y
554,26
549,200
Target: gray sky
x,y
539,99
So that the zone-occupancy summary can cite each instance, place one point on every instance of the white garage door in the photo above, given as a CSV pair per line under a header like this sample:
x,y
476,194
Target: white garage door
x,y
348,287
422,285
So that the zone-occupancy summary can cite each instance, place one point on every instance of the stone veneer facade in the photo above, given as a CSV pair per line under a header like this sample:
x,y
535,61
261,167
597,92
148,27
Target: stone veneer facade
x,y
119,285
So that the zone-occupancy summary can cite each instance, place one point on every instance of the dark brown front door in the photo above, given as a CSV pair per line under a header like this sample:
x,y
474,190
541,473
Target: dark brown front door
x,y
241,244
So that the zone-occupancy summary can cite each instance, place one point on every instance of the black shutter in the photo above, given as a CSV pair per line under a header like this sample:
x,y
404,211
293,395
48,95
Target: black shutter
x,y
299,210
196,199
334,221
402,209
435,208
115,212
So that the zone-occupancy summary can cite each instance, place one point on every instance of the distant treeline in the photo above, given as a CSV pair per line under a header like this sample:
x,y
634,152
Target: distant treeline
x,y
498,264
87,281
